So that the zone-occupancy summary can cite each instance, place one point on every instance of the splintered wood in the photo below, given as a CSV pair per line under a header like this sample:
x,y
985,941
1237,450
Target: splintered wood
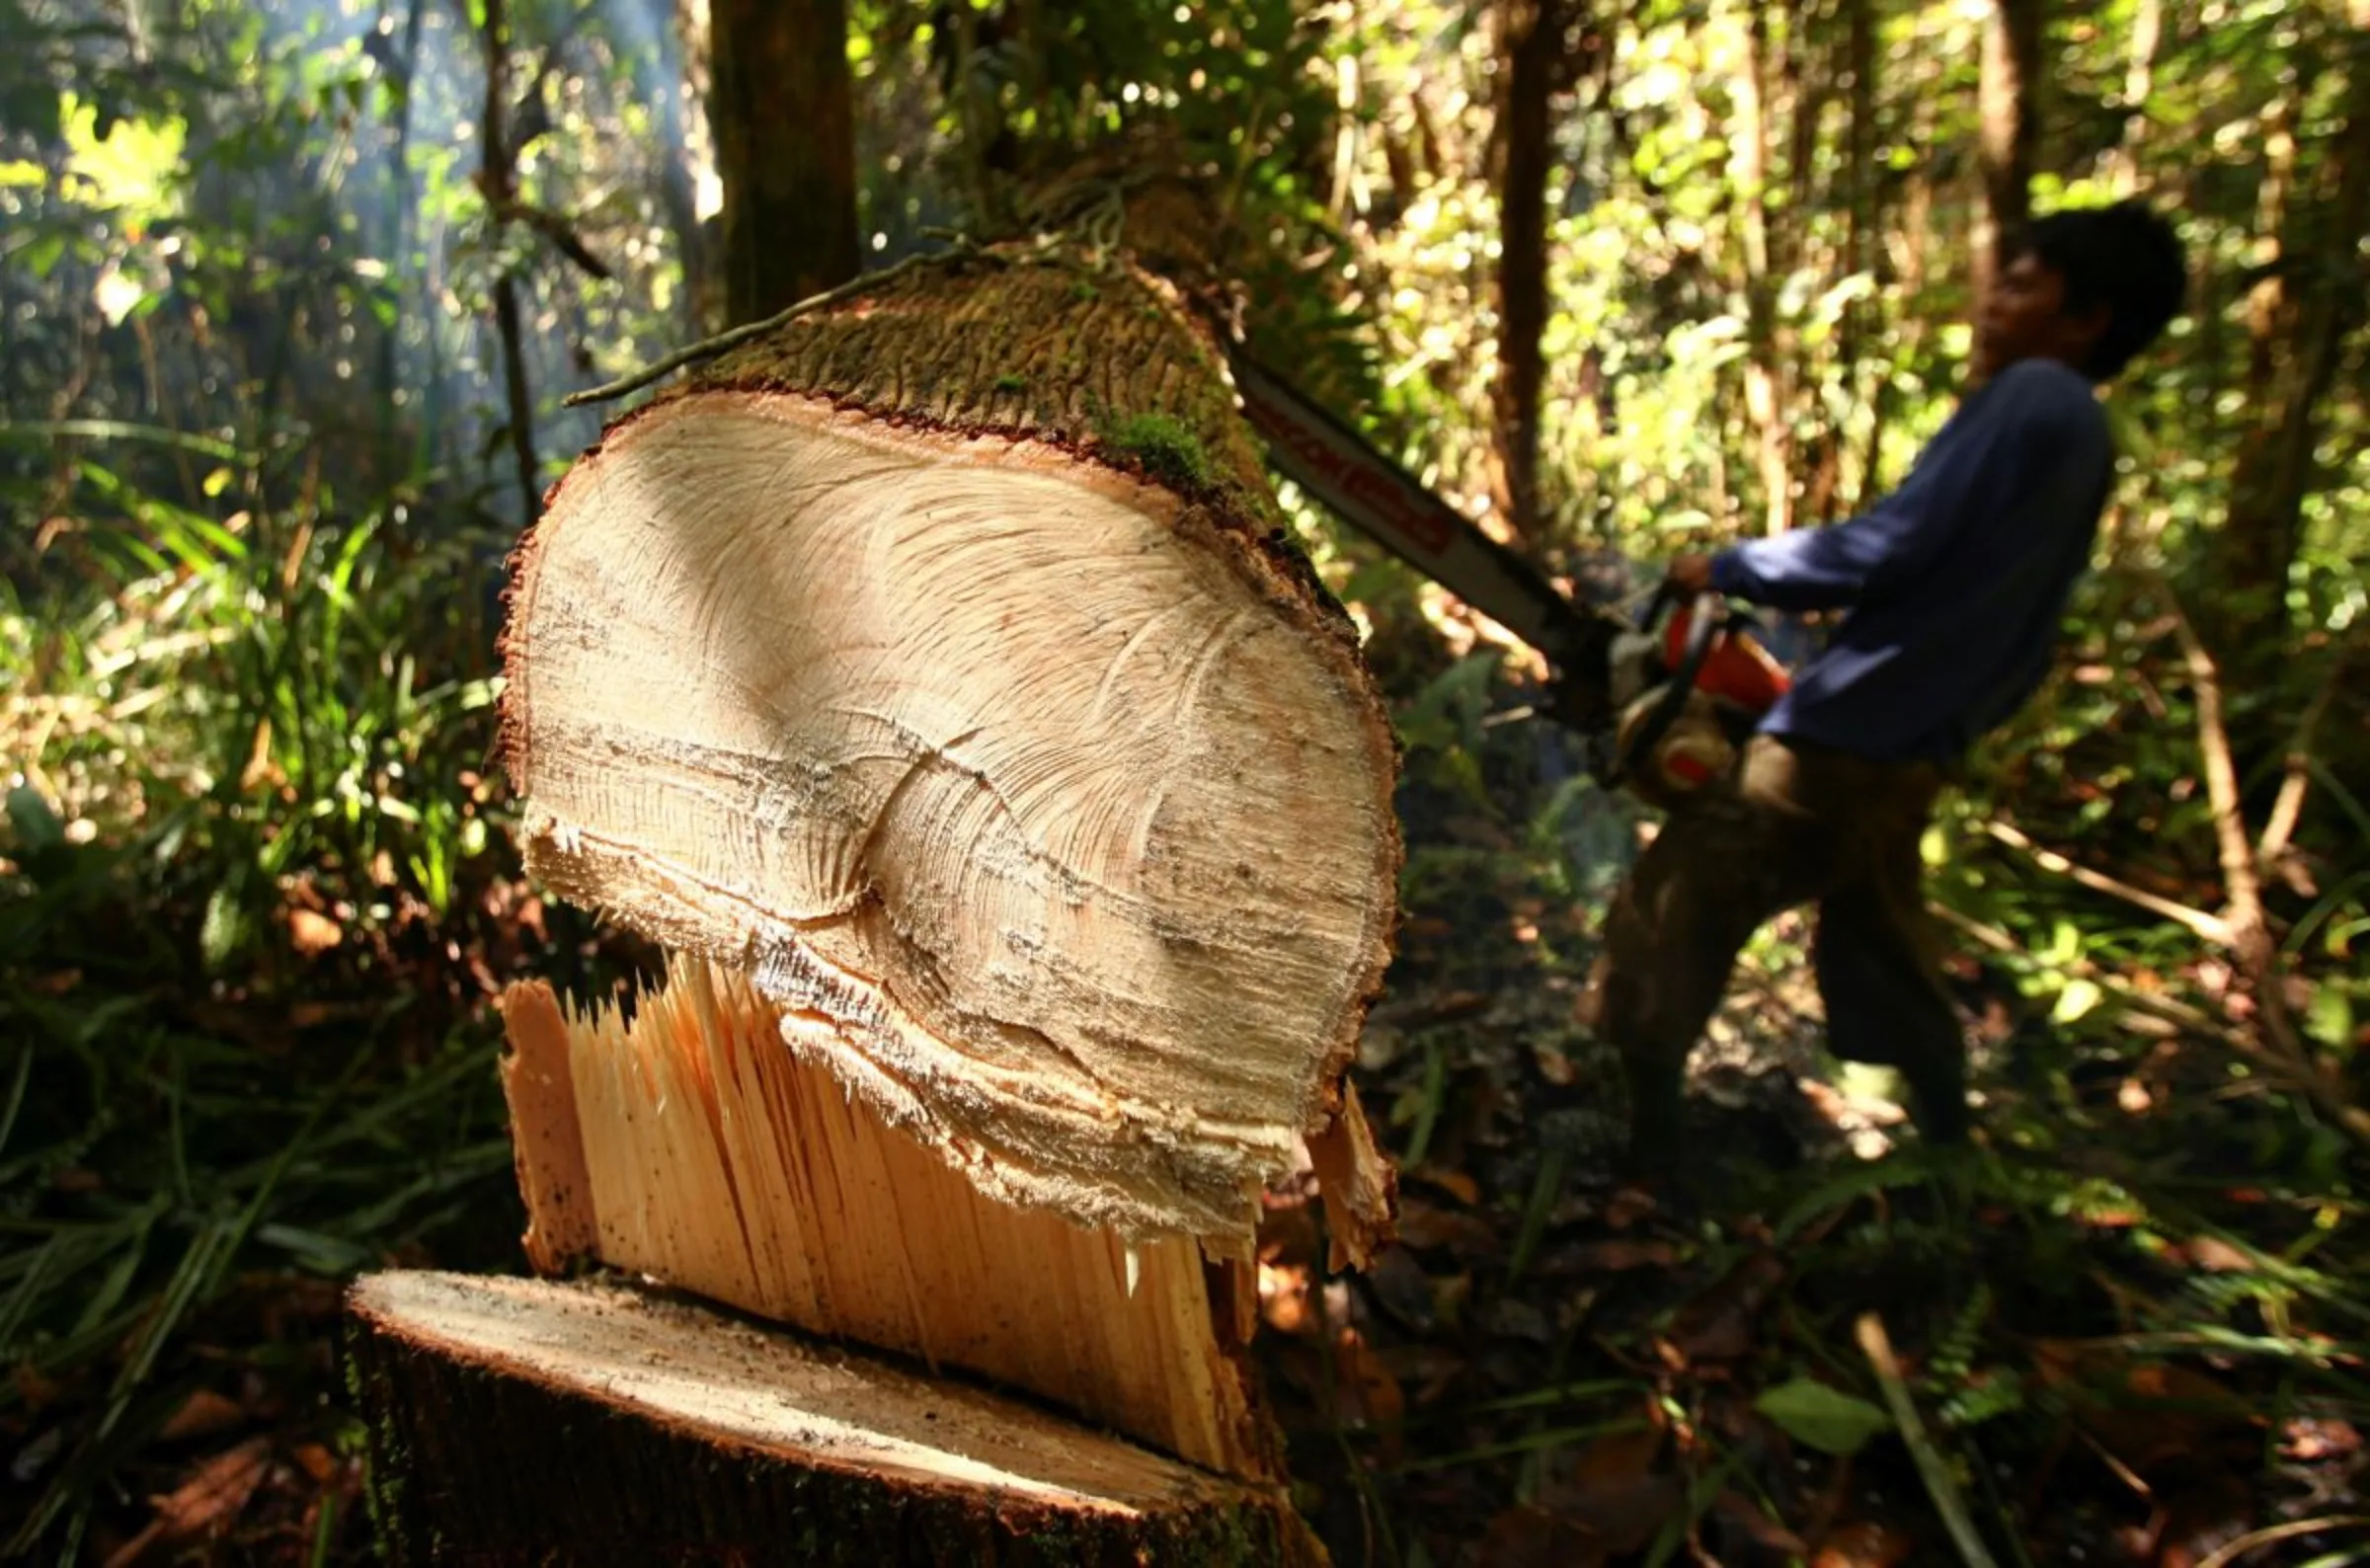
x,y
689,1145
537,1421
1051,807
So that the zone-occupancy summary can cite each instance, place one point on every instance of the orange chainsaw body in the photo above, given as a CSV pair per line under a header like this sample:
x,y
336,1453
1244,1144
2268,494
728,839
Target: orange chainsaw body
x,y
1738,670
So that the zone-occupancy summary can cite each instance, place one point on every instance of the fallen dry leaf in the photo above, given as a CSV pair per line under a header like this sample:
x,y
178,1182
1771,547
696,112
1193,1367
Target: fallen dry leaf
x,y
317,1461
1433,1372
1530,1537
1629,1205
1615,1493
1365,1393
2216,1256
37,1390
1455,1183
1759,1527
312,933
1613,1256
1863,1545
208,1501
2307,1439
204,1414
1400,1284
1433,1227
1718,1324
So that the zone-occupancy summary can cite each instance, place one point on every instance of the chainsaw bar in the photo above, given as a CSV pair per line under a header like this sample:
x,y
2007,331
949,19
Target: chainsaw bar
x,y
1343,470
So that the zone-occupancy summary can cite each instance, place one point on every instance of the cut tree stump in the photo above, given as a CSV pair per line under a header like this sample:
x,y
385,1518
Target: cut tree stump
x,y
689,1145
932,679
548,1423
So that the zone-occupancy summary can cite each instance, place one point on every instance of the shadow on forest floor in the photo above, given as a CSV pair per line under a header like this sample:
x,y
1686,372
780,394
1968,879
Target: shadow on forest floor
x,y
2123,1339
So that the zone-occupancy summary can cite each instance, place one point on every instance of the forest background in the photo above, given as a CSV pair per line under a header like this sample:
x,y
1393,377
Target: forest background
x,y
292,295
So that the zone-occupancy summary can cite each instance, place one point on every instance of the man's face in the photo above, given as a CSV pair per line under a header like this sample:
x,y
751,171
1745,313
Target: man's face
x,y
2024,317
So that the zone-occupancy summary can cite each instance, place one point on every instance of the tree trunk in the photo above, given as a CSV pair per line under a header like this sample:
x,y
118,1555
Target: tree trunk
x,y
1530,46
2008,129
1766,395
498,176
1864,249
781,108
2310,301
516,1421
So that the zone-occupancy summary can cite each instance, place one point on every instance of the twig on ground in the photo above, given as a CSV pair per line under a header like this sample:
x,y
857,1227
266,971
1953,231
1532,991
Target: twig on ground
x,y
1933,1467
2281,1069
2288,808
2121,993
2275,1534
2212,928
2250,941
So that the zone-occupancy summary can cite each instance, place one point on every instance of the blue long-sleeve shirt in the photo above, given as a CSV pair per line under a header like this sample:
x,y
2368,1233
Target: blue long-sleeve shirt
x,y
1955,582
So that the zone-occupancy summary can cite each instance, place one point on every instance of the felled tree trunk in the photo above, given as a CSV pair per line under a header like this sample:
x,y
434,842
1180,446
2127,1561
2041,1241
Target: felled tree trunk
x,y
931,678
938,662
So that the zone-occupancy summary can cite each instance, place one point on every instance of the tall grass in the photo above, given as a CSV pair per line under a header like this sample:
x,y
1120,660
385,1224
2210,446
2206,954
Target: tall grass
x,y
253,890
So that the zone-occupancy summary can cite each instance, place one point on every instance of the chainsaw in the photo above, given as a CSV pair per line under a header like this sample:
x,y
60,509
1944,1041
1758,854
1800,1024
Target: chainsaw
x,y
1662,700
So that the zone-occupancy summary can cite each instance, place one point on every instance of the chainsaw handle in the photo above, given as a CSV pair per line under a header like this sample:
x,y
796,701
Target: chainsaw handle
x,y
1707,616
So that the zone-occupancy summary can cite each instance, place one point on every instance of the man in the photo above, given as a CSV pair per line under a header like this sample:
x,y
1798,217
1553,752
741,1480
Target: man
x,y
1953,587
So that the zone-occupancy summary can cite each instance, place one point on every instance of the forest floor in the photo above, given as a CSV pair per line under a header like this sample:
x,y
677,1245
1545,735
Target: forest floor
x,y
2112,1333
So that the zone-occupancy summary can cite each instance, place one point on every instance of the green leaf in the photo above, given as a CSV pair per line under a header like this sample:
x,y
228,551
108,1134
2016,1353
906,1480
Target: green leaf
x,y
42,252
36,827
1822,1417
2330,1020
2076,1001
224,928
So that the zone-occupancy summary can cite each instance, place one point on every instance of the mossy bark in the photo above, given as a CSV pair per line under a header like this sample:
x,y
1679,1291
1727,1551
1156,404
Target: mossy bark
x,y
1096,358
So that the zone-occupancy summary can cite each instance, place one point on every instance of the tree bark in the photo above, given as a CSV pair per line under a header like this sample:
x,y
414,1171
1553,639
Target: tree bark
x,y
2310,301
1765,394
515,1421
781,108
498,177
1864,248
2008,127
1530,46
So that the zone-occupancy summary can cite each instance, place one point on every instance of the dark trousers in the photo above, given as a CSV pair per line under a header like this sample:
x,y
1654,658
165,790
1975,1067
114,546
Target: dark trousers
x,y
1797,823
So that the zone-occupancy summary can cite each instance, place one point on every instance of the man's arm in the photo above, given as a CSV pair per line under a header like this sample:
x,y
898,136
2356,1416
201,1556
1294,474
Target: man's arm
x,y
2005,446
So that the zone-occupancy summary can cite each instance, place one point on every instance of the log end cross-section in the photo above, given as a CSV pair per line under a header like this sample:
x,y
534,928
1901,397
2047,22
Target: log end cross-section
x,y
1034,785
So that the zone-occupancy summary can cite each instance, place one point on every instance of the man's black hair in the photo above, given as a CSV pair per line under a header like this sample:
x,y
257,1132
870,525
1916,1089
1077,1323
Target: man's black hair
x,y
2122,258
